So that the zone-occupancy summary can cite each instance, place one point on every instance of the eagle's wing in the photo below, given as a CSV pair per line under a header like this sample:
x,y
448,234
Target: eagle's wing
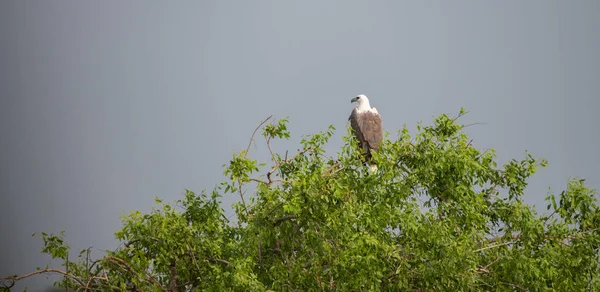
x,y
354,116
371,128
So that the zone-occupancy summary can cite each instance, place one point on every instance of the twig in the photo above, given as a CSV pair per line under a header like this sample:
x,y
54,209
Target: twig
x,y
67,271
44,271
330,169
128,268
87,286
283,219
254,133
268,139
275,208
460,115
242,195
474,124
246,153
279,163
518,236
219,261
259,253
493,246
258,181
513,285
495,239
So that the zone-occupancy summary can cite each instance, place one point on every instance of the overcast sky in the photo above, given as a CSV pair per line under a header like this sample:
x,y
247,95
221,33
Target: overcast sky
x,y
108,104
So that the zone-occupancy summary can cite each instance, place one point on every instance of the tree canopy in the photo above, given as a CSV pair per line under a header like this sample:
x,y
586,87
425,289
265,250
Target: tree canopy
x,y
439,214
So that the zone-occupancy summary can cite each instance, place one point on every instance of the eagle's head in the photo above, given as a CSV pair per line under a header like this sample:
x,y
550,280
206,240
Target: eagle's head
x,y
363,102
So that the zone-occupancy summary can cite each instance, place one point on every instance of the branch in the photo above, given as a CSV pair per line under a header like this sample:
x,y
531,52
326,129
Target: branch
x,y
496,239
268,139
258,181
128,268
174,285
254,133
474,124
44,271
219,261
518,236
514,286
330,169
284,162
460,115
87,286
493,246
283,219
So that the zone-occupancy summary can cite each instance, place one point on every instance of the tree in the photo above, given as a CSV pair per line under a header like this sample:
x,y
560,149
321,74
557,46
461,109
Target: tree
x,y
439,214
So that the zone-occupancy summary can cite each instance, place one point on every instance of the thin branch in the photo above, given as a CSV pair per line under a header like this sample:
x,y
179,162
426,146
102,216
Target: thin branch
x,y
275,208
514,237
87,286
258,181
268,139
283,219
284,162
254,133
496,239
493,246
474,124
219,261
460,115
242,195
514,286
67,270
173,283
259,253
44,271
330,169
128,268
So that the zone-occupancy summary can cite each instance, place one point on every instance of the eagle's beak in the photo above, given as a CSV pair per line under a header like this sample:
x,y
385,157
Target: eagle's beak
x,y
354,100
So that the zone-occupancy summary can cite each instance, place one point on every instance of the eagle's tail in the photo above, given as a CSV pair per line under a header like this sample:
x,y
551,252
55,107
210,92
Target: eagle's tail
x,y
372,168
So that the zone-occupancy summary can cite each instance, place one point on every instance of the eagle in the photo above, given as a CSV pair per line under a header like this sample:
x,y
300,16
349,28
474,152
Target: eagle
x,y
367,127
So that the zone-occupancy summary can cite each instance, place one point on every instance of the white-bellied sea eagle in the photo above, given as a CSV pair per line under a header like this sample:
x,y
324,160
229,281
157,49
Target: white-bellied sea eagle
x,y
367,127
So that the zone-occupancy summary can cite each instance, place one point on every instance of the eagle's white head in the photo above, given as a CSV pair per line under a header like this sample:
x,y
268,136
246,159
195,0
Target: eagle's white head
x,y
363,102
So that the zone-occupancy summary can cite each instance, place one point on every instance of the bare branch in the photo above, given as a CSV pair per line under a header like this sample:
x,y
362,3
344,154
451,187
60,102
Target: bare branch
x,y
44,271
460,115
258,181
268,139
254,133
474,124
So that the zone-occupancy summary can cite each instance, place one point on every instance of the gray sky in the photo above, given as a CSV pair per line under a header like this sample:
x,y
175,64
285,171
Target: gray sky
x,y
107,104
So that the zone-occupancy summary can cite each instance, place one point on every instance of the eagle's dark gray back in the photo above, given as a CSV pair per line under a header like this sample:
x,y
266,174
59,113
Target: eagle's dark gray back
x,y
368,128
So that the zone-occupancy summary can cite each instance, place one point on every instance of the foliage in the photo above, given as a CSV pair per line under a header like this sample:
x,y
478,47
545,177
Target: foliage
x,y
439,214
